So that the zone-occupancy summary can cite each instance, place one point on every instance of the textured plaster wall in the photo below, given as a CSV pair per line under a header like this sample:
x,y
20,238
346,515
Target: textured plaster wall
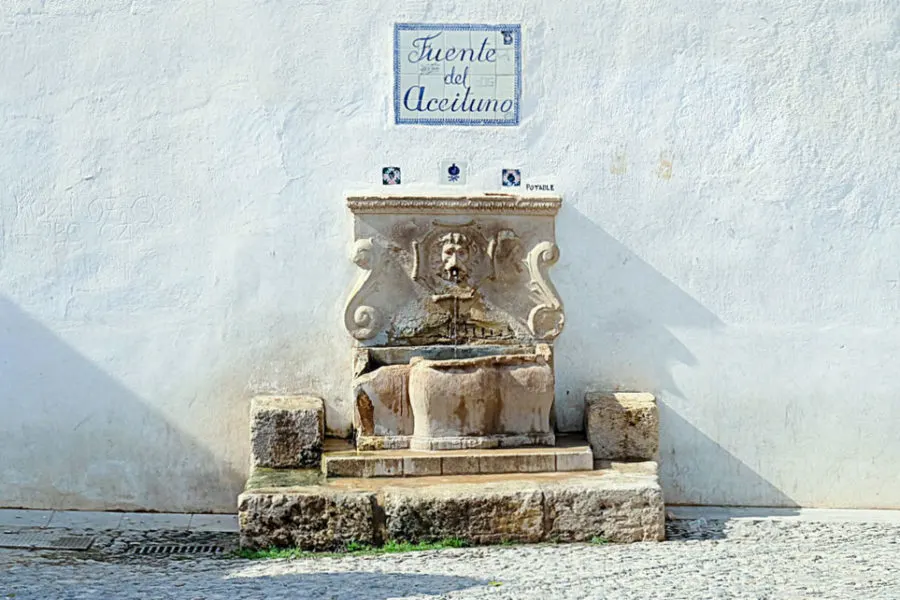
x,y
173,238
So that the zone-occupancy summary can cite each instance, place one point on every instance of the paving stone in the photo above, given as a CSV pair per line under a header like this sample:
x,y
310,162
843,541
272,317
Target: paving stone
x,y
76,519
12,517
622,425
735,558
214,523
147,521
286,431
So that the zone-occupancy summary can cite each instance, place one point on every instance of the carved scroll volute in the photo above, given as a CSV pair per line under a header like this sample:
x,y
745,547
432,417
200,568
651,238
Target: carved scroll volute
x,y
362,321
545,320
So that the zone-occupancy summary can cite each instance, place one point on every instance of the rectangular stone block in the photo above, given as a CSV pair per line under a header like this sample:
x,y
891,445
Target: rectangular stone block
x,y
421,466
339,462
582,460
286,431
516,463
485,514
619,509
314,518
459,465
283,507
622,425
366,443
362,466
384,467
343,466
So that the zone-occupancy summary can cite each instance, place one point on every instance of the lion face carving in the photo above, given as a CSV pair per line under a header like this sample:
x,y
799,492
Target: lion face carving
x,y
456,249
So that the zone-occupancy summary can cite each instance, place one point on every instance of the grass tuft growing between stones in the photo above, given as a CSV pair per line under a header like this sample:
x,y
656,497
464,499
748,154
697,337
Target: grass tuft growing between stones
x,y
354,549
599,541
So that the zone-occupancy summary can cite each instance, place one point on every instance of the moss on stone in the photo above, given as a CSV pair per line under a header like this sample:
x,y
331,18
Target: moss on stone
x,y
262,479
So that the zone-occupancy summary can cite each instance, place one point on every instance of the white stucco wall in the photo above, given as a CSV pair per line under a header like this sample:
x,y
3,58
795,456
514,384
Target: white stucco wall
x,y
173,236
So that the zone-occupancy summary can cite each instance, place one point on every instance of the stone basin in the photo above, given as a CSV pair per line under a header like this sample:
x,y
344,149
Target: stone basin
x,y
498,401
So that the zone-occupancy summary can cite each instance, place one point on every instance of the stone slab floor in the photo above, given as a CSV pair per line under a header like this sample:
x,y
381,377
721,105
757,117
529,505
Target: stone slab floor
x,y
725,553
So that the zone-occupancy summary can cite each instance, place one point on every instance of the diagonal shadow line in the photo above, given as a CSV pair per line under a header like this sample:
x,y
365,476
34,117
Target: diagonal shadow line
x,y
620,311
74,437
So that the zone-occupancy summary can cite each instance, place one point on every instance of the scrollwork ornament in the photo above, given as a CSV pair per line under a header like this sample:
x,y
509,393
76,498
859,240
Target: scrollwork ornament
x,y
546,320
363,321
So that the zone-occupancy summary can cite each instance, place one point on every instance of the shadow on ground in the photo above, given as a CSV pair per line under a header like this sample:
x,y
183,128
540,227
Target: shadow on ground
x,y
355,585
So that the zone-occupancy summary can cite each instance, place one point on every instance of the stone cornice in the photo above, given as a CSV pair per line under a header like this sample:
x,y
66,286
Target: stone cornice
x,y
500,204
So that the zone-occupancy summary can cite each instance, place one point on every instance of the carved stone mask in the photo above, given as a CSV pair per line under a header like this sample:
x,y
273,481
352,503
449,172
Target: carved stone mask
x,y
455,253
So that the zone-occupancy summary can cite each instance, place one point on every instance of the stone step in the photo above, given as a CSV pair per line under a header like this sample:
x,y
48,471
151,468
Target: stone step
x,y
621,502
419,463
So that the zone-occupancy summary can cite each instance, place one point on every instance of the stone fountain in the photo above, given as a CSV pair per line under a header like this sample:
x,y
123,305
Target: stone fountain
x,y
454,320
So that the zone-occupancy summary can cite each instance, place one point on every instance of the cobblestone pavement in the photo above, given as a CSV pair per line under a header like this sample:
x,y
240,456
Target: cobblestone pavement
x,y
743,558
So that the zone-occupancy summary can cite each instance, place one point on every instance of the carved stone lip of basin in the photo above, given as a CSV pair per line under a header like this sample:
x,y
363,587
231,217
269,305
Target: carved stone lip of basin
x,y
491,360
502,400
379,356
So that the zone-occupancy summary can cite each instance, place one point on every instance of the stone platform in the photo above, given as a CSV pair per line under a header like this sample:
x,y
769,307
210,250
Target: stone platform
x,y
341,459
619,502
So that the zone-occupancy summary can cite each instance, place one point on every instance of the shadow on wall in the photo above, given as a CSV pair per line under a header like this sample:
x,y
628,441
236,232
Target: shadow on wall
x,y
695,469
74,437
619,312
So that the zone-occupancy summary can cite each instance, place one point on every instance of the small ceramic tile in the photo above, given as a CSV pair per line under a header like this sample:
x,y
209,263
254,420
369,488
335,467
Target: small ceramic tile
x,y
511,178
453,172
390,175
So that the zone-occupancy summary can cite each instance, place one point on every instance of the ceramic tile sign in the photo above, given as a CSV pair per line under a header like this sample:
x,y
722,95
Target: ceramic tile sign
x,y
511,178
457,74
390,175
452,172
